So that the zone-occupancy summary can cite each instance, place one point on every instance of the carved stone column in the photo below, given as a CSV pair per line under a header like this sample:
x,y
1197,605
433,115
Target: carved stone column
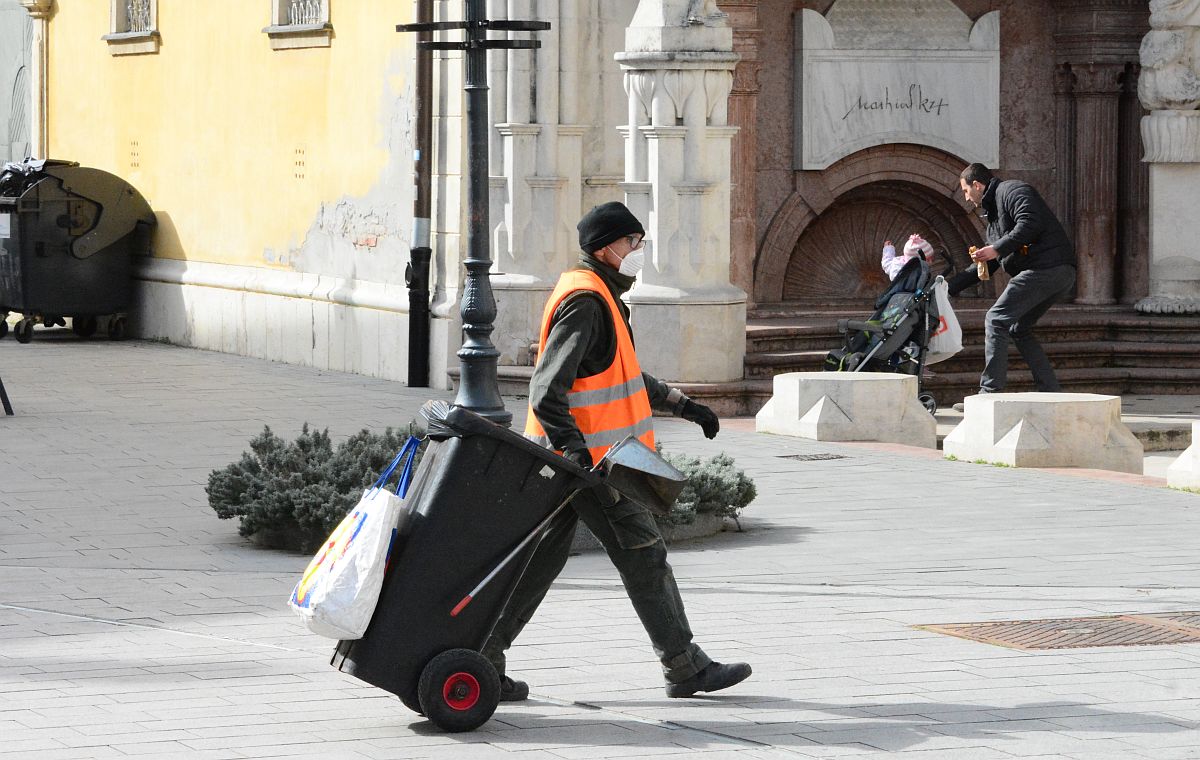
x,y
689,321
743,113
1170,87
40,10
1064,145
537,178
1097,95
1096,42
1133,189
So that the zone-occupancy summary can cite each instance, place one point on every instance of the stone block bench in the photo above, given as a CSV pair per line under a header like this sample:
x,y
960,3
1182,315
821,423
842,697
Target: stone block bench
x,y
1184,472
848,406
1045,430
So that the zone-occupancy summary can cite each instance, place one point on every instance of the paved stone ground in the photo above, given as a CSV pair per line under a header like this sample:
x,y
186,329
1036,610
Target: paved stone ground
x,y
133,622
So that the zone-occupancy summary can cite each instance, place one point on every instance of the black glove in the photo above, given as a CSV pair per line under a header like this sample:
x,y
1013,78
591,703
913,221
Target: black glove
x,y
702,416
581,457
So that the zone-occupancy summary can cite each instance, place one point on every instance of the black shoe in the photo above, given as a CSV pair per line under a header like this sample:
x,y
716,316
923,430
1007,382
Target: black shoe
x,y
714,677
513,691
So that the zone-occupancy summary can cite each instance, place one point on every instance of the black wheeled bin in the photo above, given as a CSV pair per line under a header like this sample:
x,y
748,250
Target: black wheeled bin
x,y
480,498
478,492
68,235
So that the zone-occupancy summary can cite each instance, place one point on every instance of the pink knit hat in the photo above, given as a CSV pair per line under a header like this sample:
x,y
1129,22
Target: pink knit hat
x,y
917,243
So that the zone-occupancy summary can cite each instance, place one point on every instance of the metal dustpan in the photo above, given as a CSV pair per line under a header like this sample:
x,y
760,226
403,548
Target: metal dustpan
x,y
638,472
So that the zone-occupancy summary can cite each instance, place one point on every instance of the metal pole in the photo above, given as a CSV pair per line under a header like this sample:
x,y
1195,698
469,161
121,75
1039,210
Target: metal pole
x,y
479,388
417,275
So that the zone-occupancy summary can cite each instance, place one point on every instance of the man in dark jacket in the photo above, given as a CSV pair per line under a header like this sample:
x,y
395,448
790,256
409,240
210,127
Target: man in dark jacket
x,y
586,390
1027,240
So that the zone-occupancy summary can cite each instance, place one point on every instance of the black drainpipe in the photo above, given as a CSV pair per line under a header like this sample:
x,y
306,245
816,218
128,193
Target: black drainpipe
x,y
416,275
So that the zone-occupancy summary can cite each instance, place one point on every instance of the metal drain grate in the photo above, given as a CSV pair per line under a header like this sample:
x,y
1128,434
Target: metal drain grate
x,y
811,457
1075,633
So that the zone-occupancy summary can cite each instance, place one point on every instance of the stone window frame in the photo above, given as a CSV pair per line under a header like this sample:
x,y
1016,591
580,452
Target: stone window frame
x,y
285,35
124,41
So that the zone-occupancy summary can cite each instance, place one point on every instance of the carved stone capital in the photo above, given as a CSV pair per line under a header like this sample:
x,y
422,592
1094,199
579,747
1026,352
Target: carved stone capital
x,y
1168,305
1097,79
1171,137
1172,14
678,25
1170,60
38,8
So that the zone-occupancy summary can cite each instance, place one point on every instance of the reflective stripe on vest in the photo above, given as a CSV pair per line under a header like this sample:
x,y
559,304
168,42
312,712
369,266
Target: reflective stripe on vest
x,y
612,404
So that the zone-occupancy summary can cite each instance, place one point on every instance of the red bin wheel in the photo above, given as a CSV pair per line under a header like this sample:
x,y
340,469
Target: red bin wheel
x,y
459,690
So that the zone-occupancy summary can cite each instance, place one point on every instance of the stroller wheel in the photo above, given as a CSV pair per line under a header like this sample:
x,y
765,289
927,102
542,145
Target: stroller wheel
x,y
928,402
459,690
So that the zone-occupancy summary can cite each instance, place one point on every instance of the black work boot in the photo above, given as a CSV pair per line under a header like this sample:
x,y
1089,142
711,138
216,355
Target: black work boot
x,y
714,677
513,691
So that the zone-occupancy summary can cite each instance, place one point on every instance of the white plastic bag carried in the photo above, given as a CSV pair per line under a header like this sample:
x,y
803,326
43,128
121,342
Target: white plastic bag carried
x,y
947,337
337,594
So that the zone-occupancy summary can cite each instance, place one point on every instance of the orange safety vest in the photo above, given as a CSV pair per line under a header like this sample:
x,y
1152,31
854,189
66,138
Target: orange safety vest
x,y
610,405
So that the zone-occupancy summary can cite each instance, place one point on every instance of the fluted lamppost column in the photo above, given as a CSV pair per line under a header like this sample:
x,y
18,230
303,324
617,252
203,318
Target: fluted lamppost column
x,y
478,388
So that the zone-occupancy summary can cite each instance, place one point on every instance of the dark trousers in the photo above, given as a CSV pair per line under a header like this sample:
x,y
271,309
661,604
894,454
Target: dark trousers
x,y
635,545
1028,296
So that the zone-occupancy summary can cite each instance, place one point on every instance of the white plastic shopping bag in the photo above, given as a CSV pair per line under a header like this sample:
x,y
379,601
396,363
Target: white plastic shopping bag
x,y
337,594
947,337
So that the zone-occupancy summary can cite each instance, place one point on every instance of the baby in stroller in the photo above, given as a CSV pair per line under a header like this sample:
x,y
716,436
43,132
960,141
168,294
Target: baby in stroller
x,y
895,338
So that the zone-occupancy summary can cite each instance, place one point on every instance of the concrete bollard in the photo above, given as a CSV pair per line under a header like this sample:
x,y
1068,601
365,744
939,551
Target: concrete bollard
x,y
1045,430
1184,472
848,406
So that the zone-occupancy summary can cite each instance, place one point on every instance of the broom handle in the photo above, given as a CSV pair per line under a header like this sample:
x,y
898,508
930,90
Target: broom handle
x,y
524,542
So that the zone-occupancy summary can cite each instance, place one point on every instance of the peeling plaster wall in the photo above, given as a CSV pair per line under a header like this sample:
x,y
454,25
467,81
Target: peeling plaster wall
x,y
282,179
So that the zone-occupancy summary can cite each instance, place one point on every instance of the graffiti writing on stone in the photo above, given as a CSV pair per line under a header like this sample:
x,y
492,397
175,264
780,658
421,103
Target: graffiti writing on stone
x,y
916,101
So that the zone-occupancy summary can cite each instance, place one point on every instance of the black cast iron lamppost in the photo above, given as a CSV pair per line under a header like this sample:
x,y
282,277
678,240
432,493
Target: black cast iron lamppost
x,y
478,388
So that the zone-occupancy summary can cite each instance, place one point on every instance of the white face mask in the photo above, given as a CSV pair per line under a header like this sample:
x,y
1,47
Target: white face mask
x,y
633,263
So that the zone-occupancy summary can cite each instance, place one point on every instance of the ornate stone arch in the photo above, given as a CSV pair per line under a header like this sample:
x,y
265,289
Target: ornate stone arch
x,y
921,174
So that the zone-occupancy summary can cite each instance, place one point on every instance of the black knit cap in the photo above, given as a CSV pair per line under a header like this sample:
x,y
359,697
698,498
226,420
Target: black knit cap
x,y
606,223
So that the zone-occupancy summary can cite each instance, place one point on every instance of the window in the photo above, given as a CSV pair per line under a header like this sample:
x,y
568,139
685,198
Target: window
x,y
299,24
133,28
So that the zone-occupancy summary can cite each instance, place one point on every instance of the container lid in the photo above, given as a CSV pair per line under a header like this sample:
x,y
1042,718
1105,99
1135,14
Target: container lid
x,y
638,472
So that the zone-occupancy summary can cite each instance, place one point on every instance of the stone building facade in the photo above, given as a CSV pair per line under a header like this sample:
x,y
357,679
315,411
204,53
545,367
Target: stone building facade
x,y
1068,122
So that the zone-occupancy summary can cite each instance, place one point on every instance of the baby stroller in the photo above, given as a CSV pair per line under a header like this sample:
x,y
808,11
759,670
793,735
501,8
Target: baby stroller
x,y
896,337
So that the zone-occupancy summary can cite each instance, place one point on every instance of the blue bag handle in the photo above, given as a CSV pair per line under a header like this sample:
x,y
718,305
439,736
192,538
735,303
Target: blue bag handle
x,y
409,450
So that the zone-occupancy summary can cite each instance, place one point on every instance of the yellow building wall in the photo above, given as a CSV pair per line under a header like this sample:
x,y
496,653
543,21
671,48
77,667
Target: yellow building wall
x,y
235,145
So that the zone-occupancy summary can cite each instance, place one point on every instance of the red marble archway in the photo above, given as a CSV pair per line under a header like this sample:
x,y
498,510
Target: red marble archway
x,y
911,183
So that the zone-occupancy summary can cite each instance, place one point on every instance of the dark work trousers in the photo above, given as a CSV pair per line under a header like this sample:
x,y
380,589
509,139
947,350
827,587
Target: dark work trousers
x,y
635,545
1028,296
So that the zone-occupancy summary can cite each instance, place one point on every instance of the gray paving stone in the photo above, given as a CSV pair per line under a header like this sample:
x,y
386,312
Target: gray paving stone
x,y
130,615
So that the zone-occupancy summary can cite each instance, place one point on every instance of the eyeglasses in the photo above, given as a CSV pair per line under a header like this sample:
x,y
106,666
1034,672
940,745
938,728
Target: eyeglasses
x,y
635,242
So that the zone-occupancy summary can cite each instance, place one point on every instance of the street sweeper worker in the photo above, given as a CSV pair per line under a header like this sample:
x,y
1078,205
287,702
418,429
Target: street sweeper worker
x,y
587,393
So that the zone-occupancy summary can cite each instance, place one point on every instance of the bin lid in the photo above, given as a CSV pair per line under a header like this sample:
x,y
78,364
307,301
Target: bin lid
x,y
637,471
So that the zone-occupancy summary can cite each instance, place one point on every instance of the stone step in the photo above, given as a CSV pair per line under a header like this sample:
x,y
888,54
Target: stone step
x,y
1063,355
816,331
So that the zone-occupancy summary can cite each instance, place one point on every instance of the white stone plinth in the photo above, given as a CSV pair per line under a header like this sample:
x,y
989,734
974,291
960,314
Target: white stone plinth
x,y
690,340
1045,430
1184,472
848,406
1174,230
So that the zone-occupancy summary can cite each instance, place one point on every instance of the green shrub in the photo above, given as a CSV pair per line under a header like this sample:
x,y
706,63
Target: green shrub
x,y
292,495
715,486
